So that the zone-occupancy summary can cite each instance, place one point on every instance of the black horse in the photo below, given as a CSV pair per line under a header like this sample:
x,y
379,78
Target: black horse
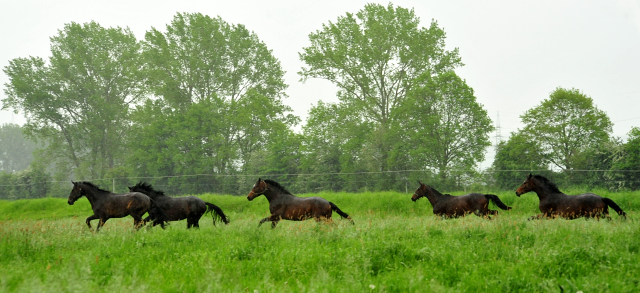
x,y
179,208
106,205
284,205
554,203
449,206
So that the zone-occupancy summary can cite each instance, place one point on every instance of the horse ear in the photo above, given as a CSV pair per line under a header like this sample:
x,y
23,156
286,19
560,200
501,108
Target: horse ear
x,y
259,179
419,182
530,175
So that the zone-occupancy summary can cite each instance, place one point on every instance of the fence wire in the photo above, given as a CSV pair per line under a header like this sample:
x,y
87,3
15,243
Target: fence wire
x,y
299,183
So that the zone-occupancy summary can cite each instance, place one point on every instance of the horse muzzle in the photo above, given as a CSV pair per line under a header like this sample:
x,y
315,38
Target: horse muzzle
x,y
251,196
518,193
414,198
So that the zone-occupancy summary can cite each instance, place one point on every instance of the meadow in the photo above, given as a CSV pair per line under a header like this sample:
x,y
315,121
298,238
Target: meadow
x,y
396,245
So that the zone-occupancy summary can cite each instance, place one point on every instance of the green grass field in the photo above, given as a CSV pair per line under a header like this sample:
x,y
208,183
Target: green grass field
x,y
396,245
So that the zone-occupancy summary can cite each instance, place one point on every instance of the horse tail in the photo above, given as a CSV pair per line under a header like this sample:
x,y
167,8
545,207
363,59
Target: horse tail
x,y
340,212
496,200
613,205
216,213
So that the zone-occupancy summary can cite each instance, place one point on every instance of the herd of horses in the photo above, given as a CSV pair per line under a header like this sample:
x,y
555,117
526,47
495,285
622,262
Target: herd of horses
x,y
283,205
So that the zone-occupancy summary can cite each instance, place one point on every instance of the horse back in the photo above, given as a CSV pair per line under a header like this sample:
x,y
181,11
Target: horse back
x,y
300,208
462,204
121,205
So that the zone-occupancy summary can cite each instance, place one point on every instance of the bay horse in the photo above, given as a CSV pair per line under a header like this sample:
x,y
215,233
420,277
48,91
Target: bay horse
x,y
449,206
179,208
554,203
107,205
284,205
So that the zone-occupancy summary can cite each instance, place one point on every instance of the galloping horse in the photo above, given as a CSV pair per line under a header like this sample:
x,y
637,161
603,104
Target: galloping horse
x,y
554,203
107,205
449,206
179,208
284,205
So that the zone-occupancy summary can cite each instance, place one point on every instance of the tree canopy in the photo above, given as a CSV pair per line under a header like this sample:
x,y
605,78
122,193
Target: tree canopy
x,y
566,124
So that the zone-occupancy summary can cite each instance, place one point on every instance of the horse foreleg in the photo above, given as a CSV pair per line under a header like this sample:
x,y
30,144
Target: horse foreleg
x,y
273,219
89,219
101,223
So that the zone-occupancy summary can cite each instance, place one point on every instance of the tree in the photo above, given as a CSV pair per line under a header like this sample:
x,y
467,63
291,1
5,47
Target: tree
x,y
79,102
516,158
446,125
16,151
625,167
374,57
566,124
200,59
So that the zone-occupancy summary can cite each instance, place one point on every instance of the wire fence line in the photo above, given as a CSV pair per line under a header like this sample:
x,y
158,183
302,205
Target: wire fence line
x,y
396,180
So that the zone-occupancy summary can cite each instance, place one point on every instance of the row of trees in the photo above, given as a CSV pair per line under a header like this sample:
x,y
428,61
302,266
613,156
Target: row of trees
x,y
206,97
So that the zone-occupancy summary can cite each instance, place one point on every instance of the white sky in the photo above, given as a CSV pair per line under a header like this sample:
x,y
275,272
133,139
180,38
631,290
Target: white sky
x,y
516,52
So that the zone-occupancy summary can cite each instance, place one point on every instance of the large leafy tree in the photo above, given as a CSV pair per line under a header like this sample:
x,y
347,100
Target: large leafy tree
x,y
445,124
78,102
199,57
222,89
516,158
566,125
374,58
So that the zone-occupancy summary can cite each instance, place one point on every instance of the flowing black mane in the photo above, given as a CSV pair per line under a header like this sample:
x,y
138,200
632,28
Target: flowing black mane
x,y
276,185
148,188
92,186
548,183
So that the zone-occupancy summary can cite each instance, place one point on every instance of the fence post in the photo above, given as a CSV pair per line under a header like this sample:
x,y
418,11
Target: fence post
x,y
113,185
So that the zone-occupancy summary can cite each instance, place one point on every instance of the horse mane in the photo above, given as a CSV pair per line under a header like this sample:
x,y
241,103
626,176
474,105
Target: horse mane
x,y
548,183
147,187
436,191
276,185
92,186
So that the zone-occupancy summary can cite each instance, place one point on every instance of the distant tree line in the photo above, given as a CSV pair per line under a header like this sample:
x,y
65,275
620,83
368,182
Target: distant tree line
x,y
204,96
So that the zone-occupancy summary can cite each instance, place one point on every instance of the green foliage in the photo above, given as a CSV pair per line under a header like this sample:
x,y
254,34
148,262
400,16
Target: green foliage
x,y
15,149
446,126
395,246
29,183
566,124
374,58
199,58
516,159
625,166
78,103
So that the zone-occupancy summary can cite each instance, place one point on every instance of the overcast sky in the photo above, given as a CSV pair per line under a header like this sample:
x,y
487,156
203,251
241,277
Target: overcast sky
x,y
515,52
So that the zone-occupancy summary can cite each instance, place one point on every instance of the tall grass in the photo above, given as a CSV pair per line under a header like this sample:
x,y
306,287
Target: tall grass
x,y
396,245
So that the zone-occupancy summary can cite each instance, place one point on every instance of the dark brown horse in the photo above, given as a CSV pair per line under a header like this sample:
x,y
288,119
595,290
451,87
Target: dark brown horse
x,y
284,205
449,206
179,208
554,203
107,205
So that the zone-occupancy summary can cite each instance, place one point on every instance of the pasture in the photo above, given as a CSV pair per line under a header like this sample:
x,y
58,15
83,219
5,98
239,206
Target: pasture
x,y
396,245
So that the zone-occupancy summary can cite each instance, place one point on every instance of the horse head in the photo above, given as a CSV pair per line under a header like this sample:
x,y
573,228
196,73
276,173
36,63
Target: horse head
x,y
259,188
527,185
76,193
420,192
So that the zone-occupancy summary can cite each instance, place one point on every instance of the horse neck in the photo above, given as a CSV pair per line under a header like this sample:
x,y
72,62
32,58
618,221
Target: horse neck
x,y
434,196
273,193
543,191
95,195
